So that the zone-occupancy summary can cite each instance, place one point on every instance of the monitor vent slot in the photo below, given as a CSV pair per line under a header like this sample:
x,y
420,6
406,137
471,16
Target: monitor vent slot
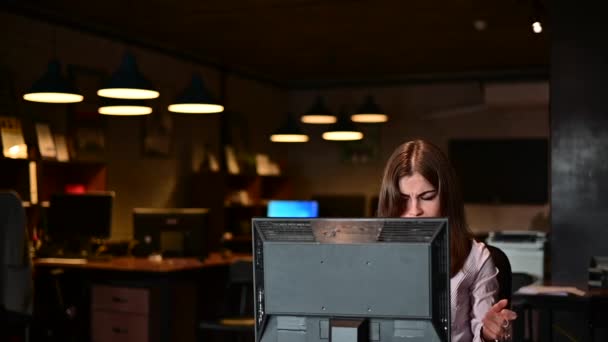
x,y
286,231
399,231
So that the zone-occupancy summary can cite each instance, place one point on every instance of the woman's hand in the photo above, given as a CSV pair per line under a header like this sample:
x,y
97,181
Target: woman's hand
x,y
496,320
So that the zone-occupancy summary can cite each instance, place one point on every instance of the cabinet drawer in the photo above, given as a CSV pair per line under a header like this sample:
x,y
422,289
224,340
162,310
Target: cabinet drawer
x,y
118,327
121,299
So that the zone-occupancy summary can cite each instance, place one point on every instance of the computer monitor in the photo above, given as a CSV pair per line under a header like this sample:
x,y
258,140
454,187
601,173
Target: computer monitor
x,y
292,208
80,217
373,279
341,205
173,232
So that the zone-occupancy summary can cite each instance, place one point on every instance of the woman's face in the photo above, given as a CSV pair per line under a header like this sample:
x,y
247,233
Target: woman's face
x,y
420,197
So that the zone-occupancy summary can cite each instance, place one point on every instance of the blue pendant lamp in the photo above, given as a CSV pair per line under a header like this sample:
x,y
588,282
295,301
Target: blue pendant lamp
x,y
52,87
289,132
196,99
318,114
120,107
128,83
343,130
369,112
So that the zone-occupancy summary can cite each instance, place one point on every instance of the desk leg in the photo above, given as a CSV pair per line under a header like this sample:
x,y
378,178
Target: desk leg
x,y
591,332
550,316
545,326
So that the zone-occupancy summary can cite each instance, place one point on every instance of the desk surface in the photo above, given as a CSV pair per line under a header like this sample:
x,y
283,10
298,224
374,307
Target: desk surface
x,y
597,292
590,292
144,264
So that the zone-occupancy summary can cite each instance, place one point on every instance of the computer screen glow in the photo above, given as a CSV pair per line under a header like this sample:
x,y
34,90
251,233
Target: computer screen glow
x,y
292,208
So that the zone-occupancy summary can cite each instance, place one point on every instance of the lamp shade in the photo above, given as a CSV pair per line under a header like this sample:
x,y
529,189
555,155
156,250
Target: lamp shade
x,y
369,112
52,87
289,132
318,114
196,99
343,130
128,83
121,107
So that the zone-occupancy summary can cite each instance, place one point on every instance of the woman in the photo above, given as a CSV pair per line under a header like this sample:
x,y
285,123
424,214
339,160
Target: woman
x,y
419,181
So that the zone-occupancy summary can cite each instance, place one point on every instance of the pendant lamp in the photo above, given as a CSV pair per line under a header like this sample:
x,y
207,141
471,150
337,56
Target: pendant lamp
x,y
196,99
369,112
124,107
52,87
318,114
343,130
128,83
289,132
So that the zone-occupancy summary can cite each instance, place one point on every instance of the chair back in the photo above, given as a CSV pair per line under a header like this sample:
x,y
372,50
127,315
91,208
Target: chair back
x,y
241,281
16,292
521,279
501,261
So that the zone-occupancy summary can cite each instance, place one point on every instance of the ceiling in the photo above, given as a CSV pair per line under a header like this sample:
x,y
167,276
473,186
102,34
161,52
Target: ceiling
x,y
298,41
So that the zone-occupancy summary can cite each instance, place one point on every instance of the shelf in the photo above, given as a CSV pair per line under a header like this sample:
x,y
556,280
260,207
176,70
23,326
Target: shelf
x,y
220,192
37,180
53,176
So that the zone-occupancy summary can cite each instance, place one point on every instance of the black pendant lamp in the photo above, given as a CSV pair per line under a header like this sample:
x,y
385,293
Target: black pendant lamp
x,y
128,83
318,114
289,132
369,112
120,107
196,99
52,87
343,130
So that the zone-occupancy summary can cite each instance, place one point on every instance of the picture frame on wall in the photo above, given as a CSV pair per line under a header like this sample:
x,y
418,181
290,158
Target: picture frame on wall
x,y
46,143
158,134
61,144
13,143
86,138
89,140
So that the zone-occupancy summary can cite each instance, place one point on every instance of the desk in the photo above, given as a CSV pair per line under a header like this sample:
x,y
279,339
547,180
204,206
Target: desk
x,y
132,264
133,299
593,306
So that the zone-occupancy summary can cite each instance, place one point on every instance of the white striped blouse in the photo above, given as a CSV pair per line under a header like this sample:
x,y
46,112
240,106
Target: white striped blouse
x,y
473,290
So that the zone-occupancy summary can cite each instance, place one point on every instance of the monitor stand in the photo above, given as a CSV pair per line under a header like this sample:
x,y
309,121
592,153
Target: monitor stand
x,y
349,330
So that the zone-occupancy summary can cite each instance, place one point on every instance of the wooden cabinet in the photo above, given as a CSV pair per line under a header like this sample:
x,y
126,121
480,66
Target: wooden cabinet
x,y
122,314
123,299
119,327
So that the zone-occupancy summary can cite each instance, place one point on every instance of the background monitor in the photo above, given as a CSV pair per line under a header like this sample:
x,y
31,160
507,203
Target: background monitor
x,y
179,232
374,279
80,216
341,205
490,170
292,208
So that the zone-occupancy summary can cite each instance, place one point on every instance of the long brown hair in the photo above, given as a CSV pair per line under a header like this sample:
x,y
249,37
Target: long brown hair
x,y
428,160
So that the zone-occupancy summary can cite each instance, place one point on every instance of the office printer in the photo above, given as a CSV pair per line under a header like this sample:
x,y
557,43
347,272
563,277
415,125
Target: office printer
x,y
598,272
525,250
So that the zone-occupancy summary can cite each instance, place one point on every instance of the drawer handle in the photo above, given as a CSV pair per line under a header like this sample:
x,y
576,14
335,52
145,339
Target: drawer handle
x,y
120,330
118,300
